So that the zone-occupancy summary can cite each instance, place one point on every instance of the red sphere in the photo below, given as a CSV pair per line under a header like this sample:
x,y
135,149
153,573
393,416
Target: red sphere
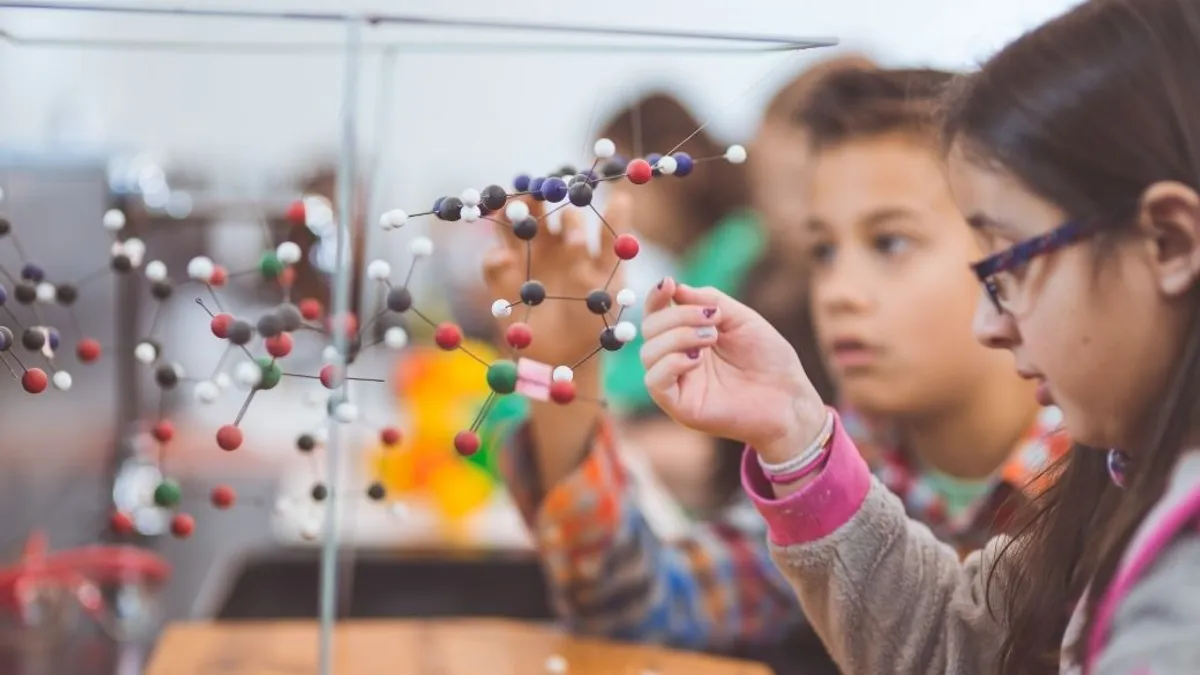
x,y
121,522
34,380
519,335
562,392
390,436
448,336
296,214
219,276
223,496
88,350
229,438
348,322
280,345
466,443
310,309
626,247
220,325
163,432
639,171
183,525
329,377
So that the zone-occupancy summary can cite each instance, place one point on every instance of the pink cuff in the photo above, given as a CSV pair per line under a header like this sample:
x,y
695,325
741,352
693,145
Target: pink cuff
x,y
823,505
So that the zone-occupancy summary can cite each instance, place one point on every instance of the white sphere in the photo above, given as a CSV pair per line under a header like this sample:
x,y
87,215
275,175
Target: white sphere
x,y
604,148
145,353
345,412
470,197
625,331
62,380
626,297
395,338
206,391
156,270
223,380
310,530
248,374
667,165
516,210
556,664
200,268
330,354
135,249
397,510
470,214
379,270
393,219
46,292
283,506
562,374
114,219
736,154
501,308
421,247
288,253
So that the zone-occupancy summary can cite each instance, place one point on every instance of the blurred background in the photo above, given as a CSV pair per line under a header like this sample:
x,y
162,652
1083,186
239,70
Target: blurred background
x,y
203,132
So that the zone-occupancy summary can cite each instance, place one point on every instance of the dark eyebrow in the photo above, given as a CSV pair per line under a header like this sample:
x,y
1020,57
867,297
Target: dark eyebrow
x,y
880,216
979,221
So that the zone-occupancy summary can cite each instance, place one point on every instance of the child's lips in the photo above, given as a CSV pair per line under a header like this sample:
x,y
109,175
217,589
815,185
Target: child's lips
x,y
1043,394
851,354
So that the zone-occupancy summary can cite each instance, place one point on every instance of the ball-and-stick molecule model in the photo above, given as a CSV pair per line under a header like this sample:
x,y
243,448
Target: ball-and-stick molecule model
x,y
565,188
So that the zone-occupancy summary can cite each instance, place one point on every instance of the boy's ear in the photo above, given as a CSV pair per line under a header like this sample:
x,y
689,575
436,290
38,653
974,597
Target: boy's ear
x,y
1170,213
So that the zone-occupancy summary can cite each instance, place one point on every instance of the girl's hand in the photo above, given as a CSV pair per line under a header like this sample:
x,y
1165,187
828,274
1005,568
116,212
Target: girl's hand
x,y
716,366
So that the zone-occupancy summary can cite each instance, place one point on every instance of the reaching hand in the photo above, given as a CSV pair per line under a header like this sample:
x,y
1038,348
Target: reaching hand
x,y
564,330
716,366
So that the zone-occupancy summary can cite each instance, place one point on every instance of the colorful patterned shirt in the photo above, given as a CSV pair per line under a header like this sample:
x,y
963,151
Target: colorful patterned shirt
x,y
716,588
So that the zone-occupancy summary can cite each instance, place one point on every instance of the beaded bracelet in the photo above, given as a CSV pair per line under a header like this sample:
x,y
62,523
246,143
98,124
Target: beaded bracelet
x,y
806,462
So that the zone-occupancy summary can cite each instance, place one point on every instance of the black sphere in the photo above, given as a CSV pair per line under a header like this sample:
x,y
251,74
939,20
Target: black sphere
x,y
525,228
319,492
609,341
450,209
6,338
66,294
291,317
493,197
26,294
5,227
306,443
166,375
399,299
612,168
376,492
121,263
567,170
580,193
270,325
33,339
533,293
240,332
599,302
161,290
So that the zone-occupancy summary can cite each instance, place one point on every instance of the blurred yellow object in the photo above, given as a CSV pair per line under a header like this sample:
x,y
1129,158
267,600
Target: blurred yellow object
x,y
439,394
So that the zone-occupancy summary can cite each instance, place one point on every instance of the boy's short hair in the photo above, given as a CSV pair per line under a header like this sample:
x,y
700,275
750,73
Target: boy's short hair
x,y
863,102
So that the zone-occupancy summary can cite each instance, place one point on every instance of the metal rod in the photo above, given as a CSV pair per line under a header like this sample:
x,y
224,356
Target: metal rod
x,y
776,42
346,184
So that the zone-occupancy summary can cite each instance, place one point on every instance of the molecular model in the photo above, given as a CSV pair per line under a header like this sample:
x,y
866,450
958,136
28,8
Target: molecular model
x,y
261,346
564,188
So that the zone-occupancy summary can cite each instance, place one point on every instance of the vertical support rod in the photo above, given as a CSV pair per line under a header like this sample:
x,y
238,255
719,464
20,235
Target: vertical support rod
x,y
347,212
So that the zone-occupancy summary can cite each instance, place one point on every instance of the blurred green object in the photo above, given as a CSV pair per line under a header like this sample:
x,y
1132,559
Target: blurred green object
x,y
507,413
723,260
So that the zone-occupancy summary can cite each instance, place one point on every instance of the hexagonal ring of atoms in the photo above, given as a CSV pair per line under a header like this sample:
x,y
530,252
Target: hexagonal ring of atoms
x,y
564,189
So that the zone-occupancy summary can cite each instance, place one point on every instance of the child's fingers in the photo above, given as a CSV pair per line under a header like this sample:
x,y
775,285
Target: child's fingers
x,y
497,262
669,318
659,297
662,378
687,340
574,237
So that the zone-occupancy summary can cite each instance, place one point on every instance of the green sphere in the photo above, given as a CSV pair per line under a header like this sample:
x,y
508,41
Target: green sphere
x,y
502,376
271,373
270,266
167,494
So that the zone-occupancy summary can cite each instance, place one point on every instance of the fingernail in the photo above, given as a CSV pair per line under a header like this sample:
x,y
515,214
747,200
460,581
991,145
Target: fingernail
x,y
693,354
706,332
709,312
661,282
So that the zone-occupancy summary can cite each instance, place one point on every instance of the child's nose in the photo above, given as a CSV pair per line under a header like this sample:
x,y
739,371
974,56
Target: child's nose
x,y
992,327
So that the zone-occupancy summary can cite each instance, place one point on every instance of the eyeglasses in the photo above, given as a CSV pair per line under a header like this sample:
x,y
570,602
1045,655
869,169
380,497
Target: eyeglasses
x,y
995,271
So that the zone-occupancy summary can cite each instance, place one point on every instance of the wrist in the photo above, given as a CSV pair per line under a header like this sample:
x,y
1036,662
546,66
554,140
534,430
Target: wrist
x,y
806,419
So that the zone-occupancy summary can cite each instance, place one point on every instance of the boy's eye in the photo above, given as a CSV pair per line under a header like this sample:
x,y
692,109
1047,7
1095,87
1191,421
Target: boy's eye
x,y
822,252
891,244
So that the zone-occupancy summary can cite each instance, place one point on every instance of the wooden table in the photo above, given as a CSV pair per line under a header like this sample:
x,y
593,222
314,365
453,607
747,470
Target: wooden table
x,y
408,647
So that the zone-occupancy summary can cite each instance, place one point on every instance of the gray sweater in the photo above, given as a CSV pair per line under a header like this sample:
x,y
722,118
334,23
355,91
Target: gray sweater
x,y
887,597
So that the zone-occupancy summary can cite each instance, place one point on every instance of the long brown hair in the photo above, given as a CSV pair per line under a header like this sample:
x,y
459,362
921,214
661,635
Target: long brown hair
x,y
1088,111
